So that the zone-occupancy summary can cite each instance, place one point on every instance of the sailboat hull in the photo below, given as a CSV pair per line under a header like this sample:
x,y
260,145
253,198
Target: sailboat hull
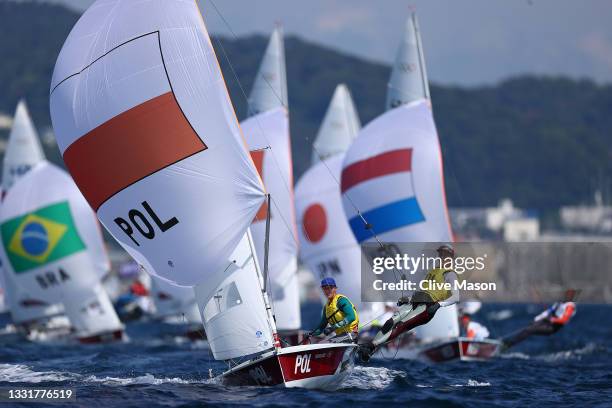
x,y
108,337
313,366
463,349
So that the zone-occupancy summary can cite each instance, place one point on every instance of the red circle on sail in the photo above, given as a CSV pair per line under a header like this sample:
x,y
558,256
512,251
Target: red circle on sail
x,y
314,222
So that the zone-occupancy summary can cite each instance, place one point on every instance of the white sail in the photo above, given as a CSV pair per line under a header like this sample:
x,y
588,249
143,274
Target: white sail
x,y
23,150
234,318
393,174
270,87
339,127
267,134
408,82
45,225
91,312
174,301
145,125
268,137
327,244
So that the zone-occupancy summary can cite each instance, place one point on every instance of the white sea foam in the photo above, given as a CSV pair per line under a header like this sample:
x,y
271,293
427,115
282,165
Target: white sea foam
x,y
24,374
473,383
499,315
376,378
575,354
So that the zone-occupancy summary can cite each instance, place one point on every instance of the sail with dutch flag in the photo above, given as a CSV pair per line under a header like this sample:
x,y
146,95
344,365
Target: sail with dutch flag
x,y
392,175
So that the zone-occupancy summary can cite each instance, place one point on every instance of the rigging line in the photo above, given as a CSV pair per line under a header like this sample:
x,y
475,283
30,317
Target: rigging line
x,y
375,236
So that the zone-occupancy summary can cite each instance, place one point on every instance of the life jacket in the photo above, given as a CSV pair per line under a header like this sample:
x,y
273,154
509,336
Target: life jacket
x,y
563,313
335,315
437,275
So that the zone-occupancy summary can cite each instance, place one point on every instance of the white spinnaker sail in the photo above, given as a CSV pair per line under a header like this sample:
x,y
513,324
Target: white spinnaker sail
x,y
45,224
268,137
270,86
408,82
339,127
174,301
393,174
145,125
23,152
234,318
327,244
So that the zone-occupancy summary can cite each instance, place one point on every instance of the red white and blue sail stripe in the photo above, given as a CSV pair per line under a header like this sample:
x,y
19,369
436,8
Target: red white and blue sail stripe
x,y
392,175
388,216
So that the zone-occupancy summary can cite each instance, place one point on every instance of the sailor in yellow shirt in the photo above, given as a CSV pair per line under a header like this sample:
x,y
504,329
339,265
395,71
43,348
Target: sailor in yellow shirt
x,y
419,309
339,314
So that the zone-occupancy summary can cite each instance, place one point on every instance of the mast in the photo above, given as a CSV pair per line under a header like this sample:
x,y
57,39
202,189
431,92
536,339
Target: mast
x,y
264,277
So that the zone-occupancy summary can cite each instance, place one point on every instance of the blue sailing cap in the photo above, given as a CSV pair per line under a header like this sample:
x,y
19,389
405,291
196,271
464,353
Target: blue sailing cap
x,y
328,282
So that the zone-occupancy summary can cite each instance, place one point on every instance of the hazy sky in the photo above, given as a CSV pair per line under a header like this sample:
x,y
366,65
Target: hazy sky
x,y
465,41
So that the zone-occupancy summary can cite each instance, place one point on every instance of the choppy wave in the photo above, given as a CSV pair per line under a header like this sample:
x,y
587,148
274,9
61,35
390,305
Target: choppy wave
x,y
575,354
18,373
372,378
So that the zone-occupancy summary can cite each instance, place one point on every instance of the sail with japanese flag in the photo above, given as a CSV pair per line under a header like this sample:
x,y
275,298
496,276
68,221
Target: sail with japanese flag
x,y
47,230
393,172
339,127
267,134
327,244
23,152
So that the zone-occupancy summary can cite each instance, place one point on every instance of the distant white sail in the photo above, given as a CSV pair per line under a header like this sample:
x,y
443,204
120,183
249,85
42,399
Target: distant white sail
x,y
339,127
45,224
270,87
174,301
327,244
268,137
234,318
408,82
393,174
91,312
23,150
145,125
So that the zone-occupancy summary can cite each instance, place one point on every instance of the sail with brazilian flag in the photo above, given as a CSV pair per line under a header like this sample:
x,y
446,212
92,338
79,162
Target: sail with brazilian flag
x,y
49,242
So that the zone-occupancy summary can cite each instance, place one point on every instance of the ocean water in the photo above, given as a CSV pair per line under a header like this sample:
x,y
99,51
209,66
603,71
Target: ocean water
x,y
570,369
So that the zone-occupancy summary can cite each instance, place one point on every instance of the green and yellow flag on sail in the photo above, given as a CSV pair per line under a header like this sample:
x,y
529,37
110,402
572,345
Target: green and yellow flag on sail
x,y
40,237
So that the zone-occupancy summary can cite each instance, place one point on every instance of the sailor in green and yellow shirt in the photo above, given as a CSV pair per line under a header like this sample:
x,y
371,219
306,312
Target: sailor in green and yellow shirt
x,y
339,314
422,307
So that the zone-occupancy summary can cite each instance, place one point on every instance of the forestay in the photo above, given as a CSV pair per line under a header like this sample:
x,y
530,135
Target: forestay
x,y
144,123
